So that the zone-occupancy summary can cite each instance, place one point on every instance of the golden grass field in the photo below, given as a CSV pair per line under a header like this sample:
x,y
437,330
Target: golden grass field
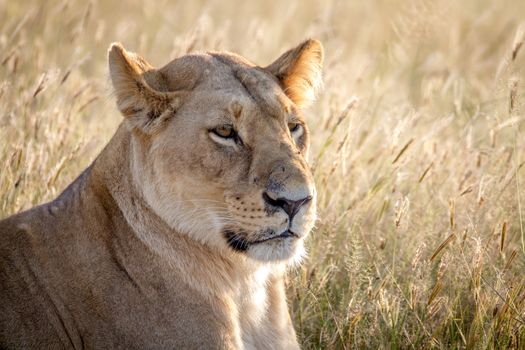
x,y
418,147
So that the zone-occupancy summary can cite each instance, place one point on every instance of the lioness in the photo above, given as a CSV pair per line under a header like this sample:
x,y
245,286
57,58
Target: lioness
x,y
178,235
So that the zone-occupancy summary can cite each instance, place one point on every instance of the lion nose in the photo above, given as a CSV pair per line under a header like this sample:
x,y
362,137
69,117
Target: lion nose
x,y
290,207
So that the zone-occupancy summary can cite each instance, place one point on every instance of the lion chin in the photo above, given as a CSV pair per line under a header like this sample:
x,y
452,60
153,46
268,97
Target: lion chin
x,y
290,250
285,247
189,216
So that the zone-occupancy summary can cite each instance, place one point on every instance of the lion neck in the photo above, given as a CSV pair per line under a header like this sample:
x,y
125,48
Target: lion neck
x,y
206,269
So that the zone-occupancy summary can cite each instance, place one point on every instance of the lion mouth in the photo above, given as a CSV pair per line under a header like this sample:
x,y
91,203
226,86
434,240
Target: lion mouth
x,y
239,243
284,235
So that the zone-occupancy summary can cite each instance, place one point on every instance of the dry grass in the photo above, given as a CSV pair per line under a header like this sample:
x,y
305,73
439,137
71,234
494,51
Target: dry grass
x,y
418,147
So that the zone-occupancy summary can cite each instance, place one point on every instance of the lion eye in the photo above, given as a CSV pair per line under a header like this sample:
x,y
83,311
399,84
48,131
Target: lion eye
x,y
225,131
293,127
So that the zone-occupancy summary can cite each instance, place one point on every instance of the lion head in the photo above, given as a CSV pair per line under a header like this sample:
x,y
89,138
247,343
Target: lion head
x,y
219,146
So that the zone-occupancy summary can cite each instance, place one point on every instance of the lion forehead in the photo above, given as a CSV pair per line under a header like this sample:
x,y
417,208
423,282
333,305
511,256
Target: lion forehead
x,y
223,76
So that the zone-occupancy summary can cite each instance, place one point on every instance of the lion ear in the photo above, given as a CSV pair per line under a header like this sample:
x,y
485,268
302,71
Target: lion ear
x,y
299,71
141,104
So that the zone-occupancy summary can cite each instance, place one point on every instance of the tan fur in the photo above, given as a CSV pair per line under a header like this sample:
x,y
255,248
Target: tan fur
x,y
166,240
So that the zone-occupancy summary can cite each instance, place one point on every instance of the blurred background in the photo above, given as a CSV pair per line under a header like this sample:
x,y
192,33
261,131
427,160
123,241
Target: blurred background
x,y
418,147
